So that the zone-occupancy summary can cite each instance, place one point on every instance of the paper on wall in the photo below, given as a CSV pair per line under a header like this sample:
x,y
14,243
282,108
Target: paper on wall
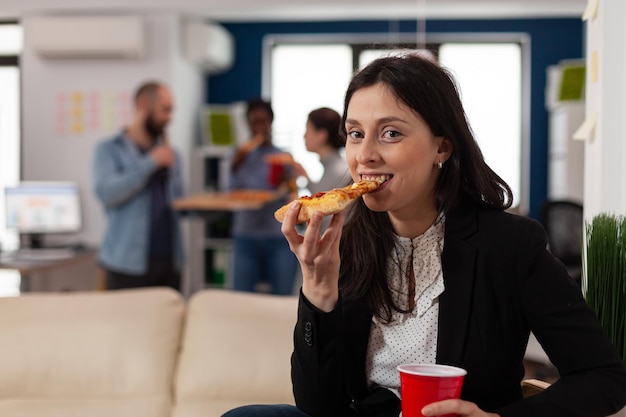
x,y
587,130
591,11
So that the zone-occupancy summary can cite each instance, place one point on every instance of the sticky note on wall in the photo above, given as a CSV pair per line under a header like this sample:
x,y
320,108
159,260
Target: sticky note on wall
x,y
591,11
587,130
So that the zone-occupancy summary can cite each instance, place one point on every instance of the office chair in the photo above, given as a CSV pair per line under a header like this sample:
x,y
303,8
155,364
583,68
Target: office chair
x,y
563,221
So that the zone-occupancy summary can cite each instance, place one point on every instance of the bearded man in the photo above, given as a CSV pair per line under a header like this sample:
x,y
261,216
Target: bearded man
x,y
136,176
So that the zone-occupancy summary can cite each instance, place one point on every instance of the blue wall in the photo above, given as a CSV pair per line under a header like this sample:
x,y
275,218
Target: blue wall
x,y
551,41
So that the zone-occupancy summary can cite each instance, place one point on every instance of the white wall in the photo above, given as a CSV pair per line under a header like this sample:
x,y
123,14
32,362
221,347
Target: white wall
x,y
605,151
54,152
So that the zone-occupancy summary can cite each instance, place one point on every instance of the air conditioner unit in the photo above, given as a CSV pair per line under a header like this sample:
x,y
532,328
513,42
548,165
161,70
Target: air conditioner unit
x,y
86,36
208,45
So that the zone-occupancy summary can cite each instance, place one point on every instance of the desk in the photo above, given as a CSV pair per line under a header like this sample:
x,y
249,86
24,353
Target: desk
x,y
77,272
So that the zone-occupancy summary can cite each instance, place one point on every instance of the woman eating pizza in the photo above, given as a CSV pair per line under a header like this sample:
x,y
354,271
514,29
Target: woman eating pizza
x,y
428,267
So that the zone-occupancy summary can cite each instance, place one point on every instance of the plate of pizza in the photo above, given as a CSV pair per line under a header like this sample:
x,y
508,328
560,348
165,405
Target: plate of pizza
x,y
226,201
279,158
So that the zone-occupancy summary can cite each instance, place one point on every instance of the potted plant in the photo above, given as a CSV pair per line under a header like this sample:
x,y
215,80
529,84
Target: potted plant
x,y
604,277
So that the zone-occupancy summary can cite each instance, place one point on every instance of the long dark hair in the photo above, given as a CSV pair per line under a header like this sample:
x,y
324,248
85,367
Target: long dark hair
x,y
368,237
329,120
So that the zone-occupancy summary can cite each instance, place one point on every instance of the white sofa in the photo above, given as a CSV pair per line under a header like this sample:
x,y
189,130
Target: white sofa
x,y
143,352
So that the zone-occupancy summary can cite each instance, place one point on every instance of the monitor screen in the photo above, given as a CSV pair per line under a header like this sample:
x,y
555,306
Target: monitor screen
x,y
43,207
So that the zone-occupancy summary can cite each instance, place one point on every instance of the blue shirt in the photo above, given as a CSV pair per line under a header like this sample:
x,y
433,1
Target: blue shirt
x,y
161,214
253,174
120,176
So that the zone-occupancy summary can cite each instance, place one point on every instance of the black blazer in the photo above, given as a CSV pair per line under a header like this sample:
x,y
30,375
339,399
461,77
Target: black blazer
x,y
500,283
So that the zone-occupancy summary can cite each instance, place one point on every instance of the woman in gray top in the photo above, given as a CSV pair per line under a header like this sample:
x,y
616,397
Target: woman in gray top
x,y
323,136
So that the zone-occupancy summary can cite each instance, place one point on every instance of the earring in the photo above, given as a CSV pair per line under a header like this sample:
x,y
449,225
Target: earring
x,y
440,164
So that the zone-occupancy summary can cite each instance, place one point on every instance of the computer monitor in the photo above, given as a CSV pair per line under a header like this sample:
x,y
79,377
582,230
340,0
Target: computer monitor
x,y
35,209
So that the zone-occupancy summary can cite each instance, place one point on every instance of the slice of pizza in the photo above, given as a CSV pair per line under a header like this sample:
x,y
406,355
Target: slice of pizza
x,y
330,202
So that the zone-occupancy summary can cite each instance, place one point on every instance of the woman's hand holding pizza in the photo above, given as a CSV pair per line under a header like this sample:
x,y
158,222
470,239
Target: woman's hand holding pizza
x,y
318,255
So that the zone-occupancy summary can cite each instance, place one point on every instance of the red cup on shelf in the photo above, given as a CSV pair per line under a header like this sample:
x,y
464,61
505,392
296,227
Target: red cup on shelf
x,y
423,384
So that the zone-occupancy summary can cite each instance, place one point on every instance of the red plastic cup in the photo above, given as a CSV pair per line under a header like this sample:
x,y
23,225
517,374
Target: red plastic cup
x,y
423,384
276,172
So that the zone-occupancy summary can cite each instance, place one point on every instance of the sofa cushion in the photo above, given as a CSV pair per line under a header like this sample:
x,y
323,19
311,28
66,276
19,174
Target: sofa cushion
x,y
89,354
236,350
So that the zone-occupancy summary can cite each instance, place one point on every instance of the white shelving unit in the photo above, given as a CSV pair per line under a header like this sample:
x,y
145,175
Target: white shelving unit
x,y
209,171
566,156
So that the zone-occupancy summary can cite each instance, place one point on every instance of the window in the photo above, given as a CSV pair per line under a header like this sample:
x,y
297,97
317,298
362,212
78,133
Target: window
x,y
10,48
307,73
491,95
295,93
11,39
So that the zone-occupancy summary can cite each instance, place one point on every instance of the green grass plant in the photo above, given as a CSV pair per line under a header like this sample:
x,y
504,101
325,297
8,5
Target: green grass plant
x,y
604,284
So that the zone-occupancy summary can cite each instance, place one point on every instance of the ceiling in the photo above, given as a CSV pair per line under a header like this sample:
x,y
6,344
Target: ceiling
x,y
278,10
